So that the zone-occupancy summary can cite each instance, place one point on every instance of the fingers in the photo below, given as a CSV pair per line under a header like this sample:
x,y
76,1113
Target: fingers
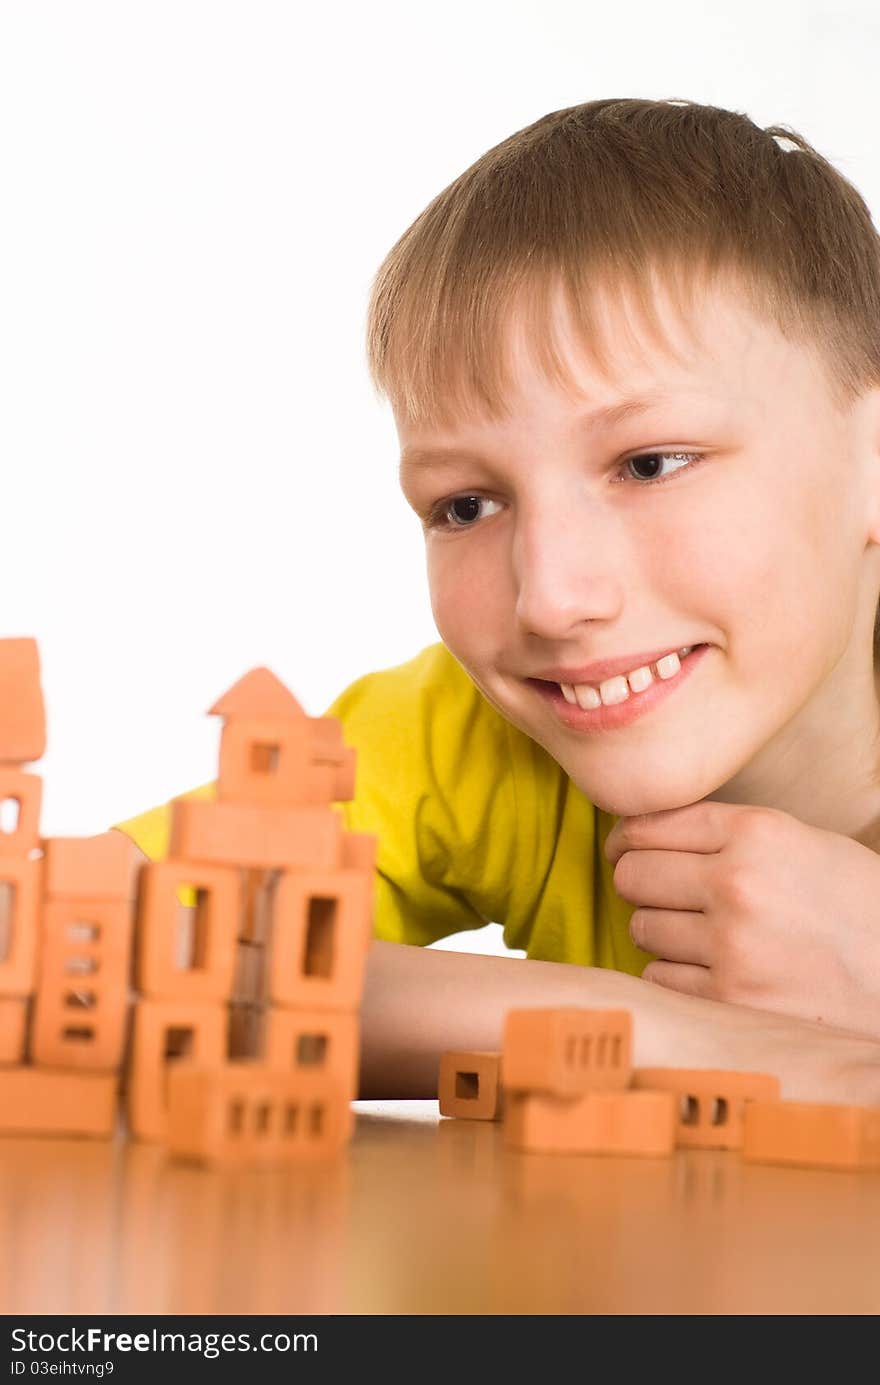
x,y
664,880
673,936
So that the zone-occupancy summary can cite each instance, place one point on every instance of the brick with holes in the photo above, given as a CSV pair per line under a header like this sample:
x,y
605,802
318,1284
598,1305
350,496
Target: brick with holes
x,y
20,884
165,1033
321,930
315,1041
812,1134
710,1104
598,1122
246,1114
38,1101
14,1012
567,1050
187,952
82,995
469,1086
21,797
265,762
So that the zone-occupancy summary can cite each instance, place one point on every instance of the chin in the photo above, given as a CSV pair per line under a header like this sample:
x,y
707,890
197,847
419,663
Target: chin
x,y
632,799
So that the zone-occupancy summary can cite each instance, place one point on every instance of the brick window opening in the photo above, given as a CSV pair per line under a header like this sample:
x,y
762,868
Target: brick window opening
x,y
81,1000
718,1112
311,1050
78,1033
265,758
316,1120
467,1086
7,914
10,812
262,1115
320,936
290,1119
83,931
191,936
690,1110
80,966
235,1122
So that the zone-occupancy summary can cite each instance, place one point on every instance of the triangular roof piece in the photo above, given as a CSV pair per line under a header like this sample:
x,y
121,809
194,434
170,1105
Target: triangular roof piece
x,y
22,710
258,696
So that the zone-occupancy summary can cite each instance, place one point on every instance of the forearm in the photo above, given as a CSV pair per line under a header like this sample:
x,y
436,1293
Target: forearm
x,y
419,1002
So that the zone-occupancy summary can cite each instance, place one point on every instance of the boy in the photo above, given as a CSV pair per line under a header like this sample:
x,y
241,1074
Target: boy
x,y
633,356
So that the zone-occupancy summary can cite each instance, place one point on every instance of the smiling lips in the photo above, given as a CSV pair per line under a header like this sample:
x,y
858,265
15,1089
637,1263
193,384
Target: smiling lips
x,y
618,688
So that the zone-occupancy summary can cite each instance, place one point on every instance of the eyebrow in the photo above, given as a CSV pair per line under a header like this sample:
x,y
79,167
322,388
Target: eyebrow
x,y
606,417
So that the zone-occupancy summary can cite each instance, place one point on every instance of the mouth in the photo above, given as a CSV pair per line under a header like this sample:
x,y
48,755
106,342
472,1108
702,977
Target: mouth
x,y
635,705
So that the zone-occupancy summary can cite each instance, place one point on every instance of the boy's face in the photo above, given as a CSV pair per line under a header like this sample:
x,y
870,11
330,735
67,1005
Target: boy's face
x,y
550,548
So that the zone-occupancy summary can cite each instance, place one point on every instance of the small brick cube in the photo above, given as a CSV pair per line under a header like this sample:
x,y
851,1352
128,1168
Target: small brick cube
x,y
469,1086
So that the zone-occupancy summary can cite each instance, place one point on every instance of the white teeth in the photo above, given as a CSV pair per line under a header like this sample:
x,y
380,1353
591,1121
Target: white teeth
x,y
587,698
668,666
617,689
640,678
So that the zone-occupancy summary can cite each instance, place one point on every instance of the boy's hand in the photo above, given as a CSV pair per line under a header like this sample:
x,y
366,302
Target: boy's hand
x,y
750,905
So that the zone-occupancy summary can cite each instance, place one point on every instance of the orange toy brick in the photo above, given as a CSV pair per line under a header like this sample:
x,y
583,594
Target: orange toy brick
x,y
567,1051
359,851
254,836
244,1114
320,1042
469,1086
164,1033
812,1134
100,867
258,695
19,924
21,796
326,745
602,1122
264,762
344,785
22,709
711,1104
35,1101
82,996
187,953
321,932
13,1029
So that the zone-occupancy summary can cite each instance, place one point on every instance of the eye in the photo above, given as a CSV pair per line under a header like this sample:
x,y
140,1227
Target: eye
x,y
650,459
459,512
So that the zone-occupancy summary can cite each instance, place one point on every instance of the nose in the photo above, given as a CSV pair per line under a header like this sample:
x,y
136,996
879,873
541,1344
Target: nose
x,y
569,567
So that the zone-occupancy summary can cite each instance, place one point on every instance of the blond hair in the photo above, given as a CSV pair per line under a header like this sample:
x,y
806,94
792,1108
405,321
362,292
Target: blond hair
x,y
621,191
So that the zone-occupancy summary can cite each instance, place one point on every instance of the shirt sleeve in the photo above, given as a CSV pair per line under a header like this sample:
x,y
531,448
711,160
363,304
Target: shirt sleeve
x,y
433,783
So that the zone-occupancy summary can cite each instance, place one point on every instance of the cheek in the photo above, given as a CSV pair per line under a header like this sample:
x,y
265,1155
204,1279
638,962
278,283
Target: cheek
x,y
467,594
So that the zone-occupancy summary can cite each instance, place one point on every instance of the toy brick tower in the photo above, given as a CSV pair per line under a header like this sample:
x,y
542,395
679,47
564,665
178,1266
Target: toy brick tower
x,y
256,983
65,938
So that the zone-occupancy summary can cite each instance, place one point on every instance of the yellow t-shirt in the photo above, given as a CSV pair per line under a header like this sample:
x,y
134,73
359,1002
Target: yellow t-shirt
x,y
476,823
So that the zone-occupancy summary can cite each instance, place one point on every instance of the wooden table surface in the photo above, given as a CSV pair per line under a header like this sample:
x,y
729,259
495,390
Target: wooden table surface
x,y
429,1215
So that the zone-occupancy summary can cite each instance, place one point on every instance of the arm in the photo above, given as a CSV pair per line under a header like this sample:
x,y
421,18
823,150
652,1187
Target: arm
x,y
418,1002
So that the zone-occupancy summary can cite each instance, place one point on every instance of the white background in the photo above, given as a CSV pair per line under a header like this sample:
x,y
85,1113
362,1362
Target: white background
x,y
196,475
